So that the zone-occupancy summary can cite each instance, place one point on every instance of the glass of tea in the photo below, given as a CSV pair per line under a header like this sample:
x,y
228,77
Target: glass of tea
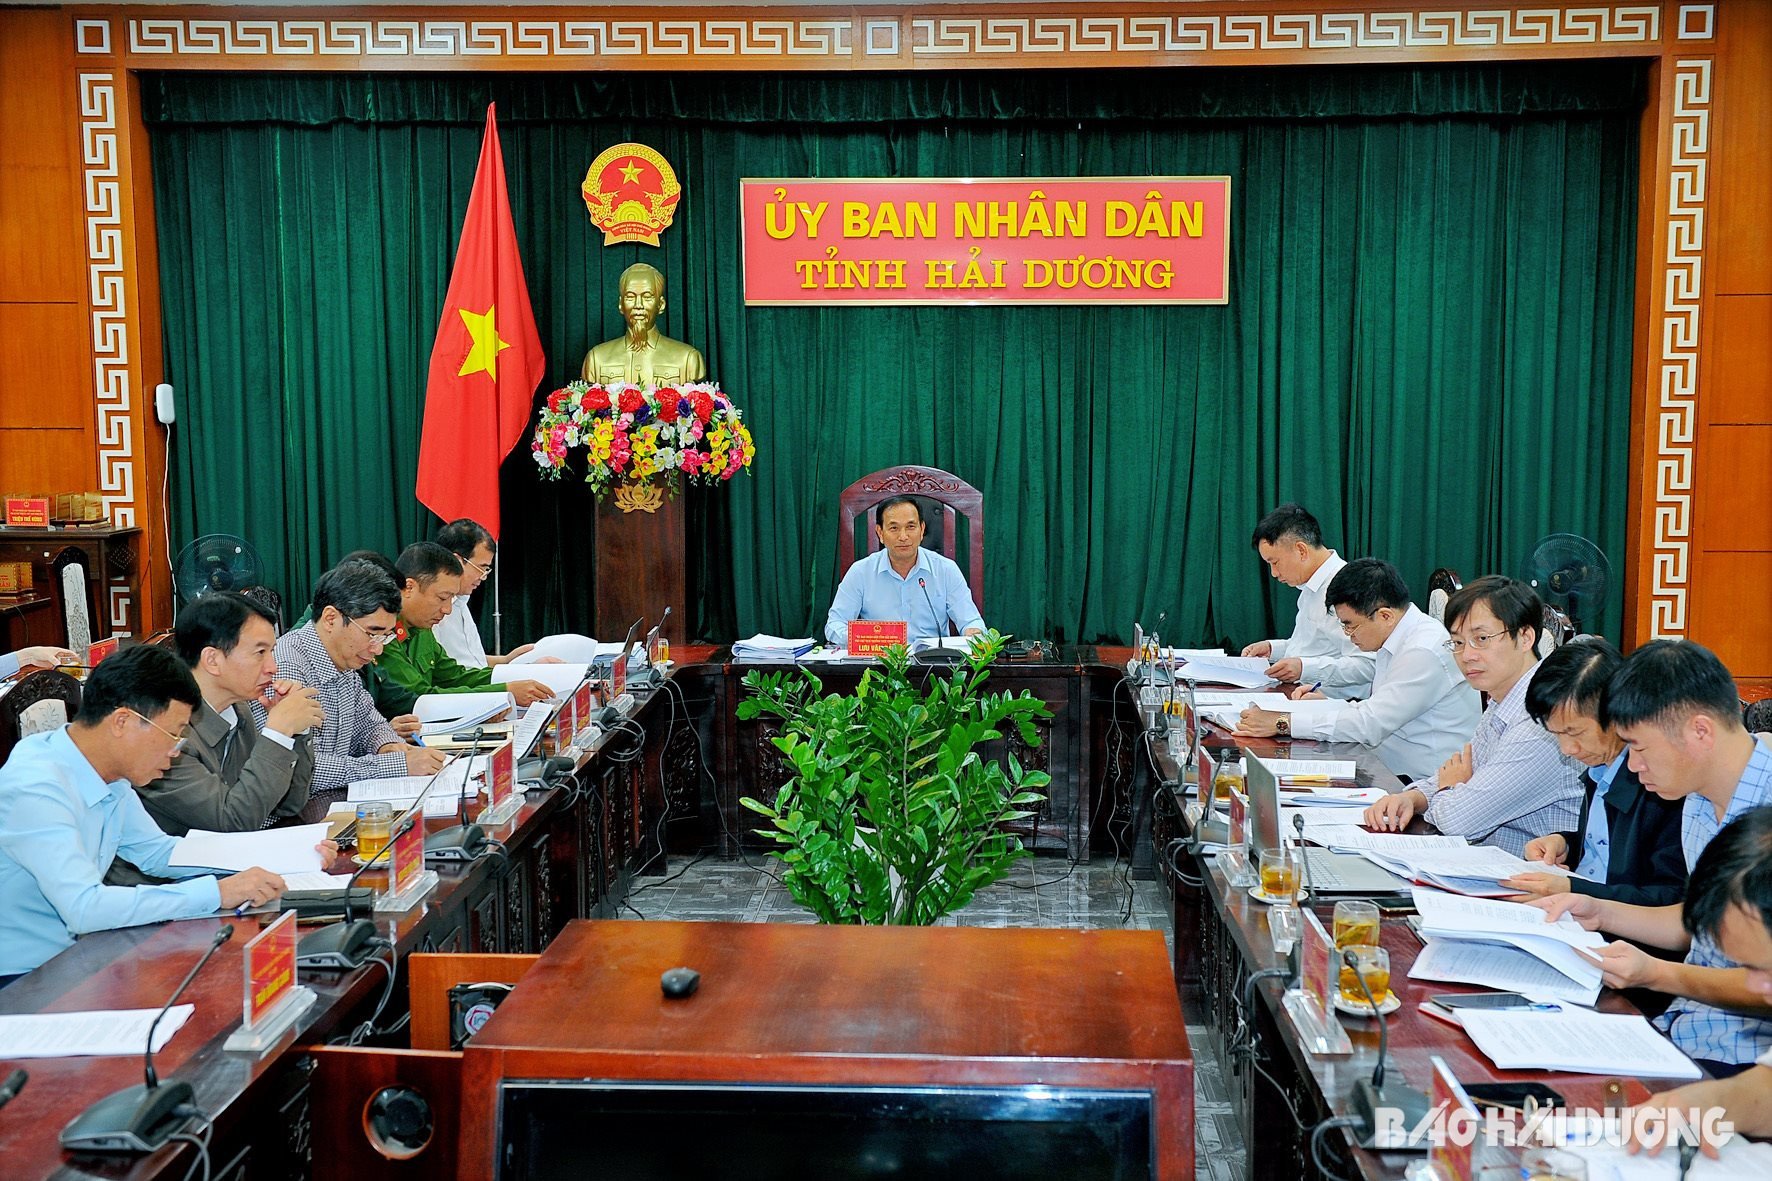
x,y
375,819
1279,873
1230,775
1374,965
1356,924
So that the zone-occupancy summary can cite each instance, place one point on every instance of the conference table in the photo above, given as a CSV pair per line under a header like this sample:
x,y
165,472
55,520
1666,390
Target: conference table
x,y
639,800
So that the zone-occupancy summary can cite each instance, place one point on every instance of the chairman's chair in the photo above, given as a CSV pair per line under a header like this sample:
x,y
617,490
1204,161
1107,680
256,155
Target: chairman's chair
x,y
950,505
1442,584
39,701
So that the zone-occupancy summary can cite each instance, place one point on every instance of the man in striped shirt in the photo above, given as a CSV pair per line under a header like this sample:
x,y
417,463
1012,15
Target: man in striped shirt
x,y
1676,708
354,609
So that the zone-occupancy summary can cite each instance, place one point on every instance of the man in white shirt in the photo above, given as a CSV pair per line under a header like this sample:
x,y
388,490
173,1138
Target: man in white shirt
x,y
1318,653
42,656
1511,784
459,633
902,580
1421,711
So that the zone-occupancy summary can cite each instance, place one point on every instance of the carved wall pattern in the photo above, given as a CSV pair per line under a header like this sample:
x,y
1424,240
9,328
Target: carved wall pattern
x,y
1681,287
106,281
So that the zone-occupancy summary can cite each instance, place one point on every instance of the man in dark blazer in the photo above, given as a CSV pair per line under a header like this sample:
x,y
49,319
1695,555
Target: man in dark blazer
x,y
232,776
1626,844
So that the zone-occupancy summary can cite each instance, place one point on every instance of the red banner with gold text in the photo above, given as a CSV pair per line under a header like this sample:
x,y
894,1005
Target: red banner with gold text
x,y
1099,239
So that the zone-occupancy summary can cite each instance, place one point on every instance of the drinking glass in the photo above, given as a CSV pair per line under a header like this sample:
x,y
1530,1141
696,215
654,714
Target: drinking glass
x,y
1279,873
1230,775
1356,924
1374,965
375,819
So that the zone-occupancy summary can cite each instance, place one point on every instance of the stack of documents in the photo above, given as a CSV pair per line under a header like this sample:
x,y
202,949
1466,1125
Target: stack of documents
x,y
279,850
1351,838
1247,672
1576,1040
1497,966
572,649
70,1035
761,648
1226,715
561,678
442,713
1476,870
1516,925
1737,1159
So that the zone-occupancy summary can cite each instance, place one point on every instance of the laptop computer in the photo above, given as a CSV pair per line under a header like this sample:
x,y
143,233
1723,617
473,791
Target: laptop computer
x,y
1326,872
603,665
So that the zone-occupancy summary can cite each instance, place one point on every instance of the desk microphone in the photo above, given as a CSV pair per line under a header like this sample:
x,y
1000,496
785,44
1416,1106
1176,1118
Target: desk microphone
x,y
1304,861
937,654
141,1118
462,842
1371,1095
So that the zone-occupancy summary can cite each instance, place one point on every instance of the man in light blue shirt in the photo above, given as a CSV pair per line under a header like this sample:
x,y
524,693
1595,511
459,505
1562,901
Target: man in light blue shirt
x,y
68,807
42,656
1675,705
903,581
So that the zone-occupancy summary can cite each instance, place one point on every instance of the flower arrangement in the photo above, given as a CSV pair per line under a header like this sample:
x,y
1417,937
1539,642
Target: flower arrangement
x,y
642,435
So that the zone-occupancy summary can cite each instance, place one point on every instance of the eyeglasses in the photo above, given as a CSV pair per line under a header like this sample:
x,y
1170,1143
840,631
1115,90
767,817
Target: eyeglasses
x,y
1478,640
178,740
378,639
1349,628
485,571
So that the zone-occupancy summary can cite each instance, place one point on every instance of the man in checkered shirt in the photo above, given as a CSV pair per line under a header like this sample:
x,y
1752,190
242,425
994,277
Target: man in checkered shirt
x,y
1676,708
354,607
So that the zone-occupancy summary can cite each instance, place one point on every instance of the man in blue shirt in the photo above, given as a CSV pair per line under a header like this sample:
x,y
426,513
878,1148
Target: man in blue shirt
x,y
43,656
1675,705
903,581
68,807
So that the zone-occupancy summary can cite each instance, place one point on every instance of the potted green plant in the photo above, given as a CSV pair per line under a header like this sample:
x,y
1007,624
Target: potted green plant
x,y
891,814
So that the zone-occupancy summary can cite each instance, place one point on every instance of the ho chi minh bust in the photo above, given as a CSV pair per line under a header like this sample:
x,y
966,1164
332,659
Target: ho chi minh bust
x,y
643,356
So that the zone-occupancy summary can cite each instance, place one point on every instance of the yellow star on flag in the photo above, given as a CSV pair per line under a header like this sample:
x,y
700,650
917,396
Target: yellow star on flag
x,y
483,356
630,172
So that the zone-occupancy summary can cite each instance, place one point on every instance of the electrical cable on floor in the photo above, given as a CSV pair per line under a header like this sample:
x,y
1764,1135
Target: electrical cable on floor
x,y
1317,1134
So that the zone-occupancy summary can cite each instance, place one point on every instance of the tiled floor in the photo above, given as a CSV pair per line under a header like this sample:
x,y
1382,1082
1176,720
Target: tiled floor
x,y
1040,892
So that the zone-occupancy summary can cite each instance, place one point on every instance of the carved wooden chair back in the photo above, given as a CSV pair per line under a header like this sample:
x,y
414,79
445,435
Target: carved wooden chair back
x,y
39,701
950,505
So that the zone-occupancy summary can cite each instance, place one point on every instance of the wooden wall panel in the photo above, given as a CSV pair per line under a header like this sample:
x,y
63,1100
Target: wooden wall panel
x,y
1744,148
38,459
39,187
1728,612
45,385
1734,489
1741,357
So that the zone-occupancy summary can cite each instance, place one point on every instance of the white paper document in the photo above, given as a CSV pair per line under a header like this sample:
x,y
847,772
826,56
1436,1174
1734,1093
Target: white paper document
x,y
1515,924
529,727
280,850
1332,768
1343,837
561,678
760,648
73,1035
569,648
318,880
1576,1040
1247,672
1497,966
1738,1160
452,711
1475,870
1342,798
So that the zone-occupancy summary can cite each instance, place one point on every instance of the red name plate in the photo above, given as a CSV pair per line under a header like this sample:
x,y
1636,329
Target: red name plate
x,y
504,774
1316,950
1239,823
1208,776
870,637
618,675
409,855
27,512
100,649
270,968
1447,1098
581,708
952,240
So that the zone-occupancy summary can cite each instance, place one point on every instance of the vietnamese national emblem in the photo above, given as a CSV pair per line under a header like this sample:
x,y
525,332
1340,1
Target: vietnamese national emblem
x,y
631,194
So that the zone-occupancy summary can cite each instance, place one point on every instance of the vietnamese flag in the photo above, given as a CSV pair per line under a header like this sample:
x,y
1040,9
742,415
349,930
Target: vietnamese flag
x,y
487,360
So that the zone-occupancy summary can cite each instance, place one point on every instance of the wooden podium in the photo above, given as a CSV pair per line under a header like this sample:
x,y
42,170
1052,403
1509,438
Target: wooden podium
x,y
641,555
1032,1018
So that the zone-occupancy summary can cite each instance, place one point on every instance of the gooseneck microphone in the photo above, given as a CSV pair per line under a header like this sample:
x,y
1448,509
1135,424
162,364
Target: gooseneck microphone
x,y
1304,863
937,654
141,1118
1370,1095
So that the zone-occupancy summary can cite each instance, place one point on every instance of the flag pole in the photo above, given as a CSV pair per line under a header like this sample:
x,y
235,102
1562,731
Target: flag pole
x,y
498,631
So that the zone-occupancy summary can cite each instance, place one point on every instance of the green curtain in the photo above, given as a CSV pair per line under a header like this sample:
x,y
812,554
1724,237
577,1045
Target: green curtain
x,y
1427,340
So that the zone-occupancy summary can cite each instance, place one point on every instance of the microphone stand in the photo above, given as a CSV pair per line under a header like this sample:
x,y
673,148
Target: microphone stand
x,y
1371,1095
143,1117
937,654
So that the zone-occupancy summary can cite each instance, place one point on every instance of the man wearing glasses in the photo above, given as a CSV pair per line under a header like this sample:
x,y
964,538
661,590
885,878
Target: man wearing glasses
x,y
354,609
68,807
1420,712
1510,783
458,632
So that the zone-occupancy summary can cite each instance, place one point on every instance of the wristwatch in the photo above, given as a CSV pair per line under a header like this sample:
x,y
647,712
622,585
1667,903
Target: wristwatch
x,y
1283,726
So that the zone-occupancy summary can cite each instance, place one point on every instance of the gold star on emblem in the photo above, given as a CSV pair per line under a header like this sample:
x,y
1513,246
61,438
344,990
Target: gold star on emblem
x,y
483,356
630,171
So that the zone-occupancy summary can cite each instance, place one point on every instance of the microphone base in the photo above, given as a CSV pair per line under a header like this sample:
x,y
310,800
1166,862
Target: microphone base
x,y
1407,1107
137,1119
340,947
939,656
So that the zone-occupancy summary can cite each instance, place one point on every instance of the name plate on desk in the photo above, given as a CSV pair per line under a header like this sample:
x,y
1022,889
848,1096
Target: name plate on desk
x,y
870,637
99,649
501,784
27,512
408,879
273,1000
1451,1155
1208,776
1309,1006
1239,820
618,675
582,705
